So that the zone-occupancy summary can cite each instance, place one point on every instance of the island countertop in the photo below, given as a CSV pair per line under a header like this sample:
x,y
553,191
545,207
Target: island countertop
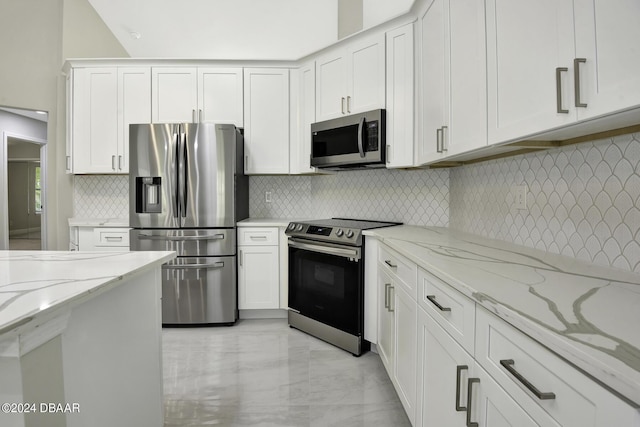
x,y
585,313
33,283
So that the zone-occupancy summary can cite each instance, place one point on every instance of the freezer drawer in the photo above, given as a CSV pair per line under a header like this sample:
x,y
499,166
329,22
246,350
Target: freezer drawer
x,y
199,291
209,242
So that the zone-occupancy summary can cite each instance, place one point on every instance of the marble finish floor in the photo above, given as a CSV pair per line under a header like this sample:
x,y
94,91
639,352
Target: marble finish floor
x,y
263,373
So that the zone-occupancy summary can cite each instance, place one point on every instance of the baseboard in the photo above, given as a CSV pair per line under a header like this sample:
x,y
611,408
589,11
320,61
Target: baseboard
x,y
263,314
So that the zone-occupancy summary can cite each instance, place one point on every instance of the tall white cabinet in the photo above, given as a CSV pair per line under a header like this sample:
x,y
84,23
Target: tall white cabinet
x,y
258,268
266,134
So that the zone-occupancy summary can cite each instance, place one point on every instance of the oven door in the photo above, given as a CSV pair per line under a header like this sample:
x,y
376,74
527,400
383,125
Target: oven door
x,y
326,283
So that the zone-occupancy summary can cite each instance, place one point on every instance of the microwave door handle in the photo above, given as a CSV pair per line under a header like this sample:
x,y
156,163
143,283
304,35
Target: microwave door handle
x,y
360,138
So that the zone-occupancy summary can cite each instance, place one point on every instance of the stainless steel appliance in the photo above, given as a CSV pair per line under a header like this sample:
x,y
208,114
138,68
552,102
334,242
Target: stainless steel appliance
x,y
186,193
355,141
326,280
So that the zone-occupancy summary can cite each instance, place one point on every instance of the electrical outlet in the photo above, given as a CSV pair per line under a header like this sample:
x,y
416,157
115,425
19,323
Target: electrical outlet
x,y
520,197
267,196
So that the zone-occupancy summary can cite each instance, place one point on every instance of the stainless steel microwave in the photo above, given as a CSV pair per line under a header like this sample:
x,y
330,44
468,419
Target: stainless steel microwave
x,y
358,140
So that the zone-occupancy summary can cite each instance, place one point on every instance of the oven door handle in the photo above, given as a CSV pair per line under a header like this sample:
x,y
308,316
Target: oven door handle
x,y
343,252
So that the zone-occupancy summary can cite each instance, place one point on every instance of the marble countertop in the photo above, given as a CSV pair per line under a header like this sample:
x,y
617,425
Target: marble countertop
x,y
266,222
98,222
34,283
589,315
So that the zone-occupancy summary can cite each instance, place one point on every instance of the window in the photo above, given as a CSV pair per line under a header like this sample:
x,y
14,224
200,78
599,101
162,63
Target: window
x,y
38,197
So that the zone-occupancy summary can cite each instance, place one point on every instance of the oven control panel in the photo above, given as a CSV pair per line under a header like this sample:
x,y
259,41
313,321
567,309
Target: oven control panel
x,y
324,233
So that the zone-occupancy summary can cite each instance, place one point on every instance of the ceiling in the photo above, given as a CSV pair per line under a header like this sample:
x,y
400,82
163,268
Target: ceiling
x,y
232,29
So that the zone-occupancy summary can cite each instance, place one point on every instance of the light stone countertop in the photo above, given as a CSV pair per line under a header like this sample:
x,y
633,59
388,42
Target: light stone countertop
x,y
35,283
589,315
266,222
98,222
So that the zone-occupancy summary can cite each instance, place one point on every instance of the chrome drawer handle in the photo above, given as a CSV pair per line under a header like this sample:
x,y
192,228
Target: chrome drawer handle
x,y
386,295
559,72
459,370
388,262
470,383
258,237
432,298
508,365
576,80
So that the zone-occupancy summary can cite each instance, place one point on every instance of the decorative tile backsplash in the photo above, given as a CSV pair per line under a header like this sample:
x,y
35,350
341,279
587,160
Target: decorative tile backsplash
x,y
418,197
101,196
583,200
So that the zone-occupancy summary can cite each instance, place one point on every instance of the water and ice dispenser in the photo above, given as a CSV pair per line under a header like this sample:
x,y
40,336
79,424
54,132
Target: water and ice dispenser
x,y
148,194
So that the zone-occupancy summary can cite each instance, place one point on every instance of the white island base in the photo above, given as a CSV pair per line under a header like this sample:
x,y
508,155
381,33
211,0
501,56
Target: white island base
x,y
92,357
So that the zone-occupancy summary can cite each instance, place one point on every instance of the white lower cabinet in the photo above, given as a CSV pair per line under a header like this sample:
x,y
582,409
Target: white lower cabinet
x,y
104,239
453,363
258,268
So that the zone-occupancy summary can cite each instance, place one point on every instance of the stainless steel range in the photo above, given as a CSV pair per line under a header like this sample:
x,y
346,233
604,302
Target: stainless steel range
x,y
326,279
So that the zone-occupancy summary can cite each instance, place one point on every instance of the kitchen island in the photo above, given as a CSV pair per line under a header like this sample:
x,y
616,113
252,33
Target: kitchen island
x,y
80,338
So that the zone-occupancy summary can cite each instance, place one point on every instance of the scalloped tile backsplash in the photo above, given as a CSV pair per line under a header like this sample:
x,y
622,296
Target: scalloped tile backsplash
x,y
583,200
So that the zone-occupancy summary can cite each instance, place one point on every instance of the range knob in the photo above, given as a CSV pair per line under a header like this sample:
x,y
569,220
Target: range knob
x,y
299,227
292,225
349,234
339,233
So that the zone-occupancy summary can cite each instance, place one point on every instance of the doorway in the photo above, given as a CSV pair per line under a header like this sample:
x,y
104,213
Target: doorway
x,y
24,194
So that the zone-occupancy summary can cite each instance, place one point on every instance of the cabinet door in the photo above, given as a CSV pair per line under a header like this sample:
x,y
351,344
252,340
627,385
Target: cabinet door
x,y
607,34
386,328
331,86
258,277
467,123
304,97
366,75
134,106
220,95
174,95
400,99
527,41
95,120
443,369
404,365
434,80
266,136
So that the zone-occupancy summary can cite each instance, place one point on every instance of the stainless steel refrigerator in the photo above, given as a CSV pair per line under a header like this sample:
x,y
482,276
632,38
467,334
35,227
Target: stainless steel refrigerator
x,y
187,190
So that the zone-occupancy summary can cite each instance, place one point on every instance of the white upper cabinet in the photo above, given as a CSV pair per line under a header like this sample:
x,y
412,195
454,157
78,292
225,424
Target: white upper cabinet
x,y
303,113
266,134
220,95
105,100
134,106
351,79
555,62
174,94
188,94
607,39
452,79
400,97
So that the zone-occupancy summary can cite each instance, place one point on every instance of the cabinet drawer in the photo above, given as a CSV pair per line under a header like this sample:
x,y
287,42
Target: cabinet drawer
x,y
111,237
267,236
400,268
543,383
452,310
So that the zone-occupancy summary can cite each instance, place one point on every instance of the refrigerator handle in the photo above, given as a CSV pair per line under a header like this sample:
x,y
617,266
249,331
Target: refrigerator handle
x,y
182,173
176,198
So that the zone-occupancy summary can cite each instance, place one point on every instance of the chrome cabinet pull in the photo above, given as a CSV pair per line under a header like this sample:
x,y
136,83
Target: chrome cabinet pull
x,y
438,140
68,163
388,262
432,298
120,162
113,238
348,104
576,80
258,237
444,128
388,152
113,162
470,383
246,163
508,365
559,72
193,116
199,116
240,258
459,370
342,105
386,295
391,310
